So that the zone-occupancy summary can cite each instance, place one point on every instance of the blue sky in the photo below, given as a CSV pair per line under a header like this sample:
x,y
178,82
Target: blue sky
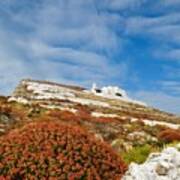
x,y
134,44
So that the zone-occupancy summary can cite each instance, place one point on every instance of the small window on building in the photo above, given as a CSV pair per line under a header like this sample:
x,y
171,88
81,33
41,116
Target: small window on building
x,y
98,90
119,94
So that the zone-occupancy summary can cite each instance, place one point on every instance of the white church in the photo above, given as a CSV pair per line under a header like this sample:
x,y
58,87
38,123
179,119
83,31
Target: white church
x,y
113,92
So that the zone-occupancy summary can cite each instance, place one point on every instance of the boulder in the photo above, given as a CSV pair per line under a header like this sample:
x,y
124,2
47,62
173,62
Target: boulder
x,y
159,166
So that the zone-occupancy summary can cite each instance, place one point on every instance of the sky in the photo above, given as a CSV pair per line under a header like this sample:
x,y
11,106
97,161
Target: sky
x,y
134,44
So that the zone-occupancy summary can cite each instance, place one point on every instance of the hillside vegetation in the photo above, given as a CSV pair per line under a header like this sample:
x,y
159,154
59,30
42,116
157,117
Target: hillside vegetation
x,y
52,150
98,134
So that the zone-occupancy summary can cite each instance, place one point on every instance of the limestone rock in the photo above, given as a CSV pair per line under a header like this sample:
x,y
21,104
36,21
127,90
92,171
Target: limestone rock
x,y
159,166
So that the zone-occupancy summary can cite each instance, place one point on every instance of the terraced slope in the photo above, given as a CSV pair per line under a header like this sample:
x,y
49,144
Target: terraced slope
x,y
53,95
122,124
133,130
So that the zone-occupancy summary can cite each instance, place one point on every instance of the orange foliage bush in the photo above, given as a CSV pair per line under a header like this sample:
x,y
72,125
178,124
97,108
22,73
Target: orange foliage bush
x,y
52,150
105,120
63,115
169,135
84,108
81,115
5,109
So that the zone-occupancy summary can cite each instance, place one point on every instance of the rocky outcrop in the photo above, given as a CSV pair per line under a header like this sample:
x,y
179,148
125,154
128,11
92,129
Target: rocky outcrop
x,y
159,166
57,95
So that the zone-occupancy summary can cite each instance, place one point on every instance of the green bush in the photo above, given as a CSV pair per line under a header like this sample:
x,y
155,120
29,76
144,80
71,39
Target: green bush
x,y
138,154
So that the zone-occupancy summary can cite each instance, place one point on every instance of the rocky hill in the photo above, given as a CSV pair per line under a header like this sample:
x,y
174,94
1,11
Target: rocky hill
x,y
111,115
131,128
53,95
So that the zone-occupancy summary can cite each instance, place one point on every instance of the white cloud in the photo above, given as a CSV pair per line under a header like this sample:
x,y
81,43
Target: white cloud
x,y
172,72
174,54
161,25
163,30
160,100
43,51
76,41
59,40
169,54
171,86
121,4
75,23
169,3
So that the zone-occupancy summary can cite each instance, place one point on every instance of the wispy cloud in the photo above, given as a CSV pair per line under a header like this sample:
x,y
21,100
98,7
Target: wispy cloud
x,y
162,26
122,5
64,38
171,86
172,72
81,41
169,3
160,100
162,30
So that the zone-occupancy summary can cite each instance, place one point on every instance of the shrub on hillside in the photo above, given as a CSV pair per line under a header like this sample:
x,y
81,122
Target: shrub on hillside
x,y
52,150
138,154
169,135
5,109
80,116
66,116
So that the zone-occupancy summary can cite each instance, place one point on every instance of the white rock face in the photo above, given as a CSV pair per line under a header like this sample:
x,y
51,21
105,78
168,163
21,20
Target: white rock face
x,y
47,91
154,123
44,91
98,114
18,99
159,166
114,92
60,108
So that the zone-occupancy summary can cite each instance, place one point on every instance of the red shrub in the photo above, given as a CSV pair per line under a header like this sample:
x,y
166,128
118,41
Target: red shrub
x,y
84,108
84,115
66,116
169,135
105,120
61,114
52,150
80,116
5,109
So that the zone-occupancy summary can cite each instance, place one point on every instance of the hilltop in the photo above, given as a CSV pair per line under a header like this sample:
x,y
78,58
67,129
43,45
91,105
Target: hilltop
x,y
111,115
104,101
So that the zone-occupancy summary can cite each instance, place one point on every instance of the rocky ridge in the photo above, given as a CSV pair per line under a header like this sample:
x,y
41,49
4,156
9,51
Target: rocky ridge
x,y
121,123
53,95
133,129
